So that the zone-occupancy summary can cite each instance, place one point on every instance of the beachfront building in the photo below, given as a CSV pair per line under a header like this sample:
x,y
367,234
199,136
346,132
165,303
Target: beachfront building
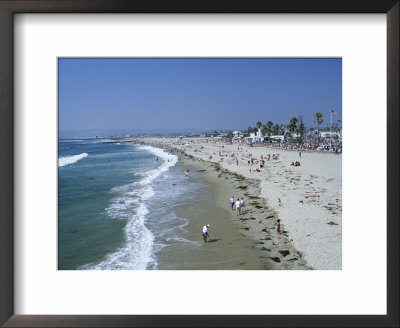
x,y
255,137
279,138
237,135
295,135
328,134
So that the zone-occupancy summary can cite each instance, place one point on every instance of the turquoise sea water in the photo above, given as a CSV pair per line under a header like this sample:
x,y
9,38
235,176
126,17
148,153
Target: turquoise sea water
x,y
115,204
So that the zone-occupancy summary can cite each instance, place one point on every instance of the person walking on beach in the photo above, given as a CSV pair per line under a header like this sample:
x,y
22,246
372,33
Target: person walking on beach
x,y
237,207
205,233
232,201
278,226
241,205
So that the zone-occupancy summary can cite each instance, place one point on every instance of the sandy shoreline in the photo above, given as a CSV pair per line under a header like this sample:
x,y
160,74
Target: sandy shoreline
x,y
227,248
312,227
257,223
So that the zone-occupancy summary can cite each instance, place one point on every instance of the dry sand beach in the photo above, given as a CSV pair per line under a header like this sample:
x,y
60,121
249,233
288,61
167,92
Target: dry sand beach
x,y
311,227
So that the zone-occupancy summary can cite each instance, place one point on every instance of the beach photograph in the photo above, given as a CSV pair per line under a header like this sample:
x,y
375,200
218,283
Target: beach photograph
x,y
199,164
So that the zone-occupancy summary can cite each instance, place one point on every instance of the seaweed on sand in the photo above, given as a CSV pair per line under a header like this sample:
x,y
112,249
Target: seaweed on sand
x,y
284,253
332,223
256,205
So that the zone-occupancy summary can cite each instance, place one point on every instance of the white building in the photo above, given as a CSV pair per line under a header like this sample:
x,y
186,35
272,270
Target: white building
x,y
278,138
255,137
327,134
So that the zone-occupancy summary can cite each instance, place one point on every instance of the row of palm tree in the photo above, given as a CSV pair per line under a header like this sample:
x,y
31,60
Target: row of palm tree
x,y
268,129
295,125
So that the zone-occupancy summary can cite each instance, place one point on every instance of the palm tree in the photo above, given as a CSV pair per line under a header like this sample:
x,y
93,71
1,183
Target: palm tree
x,y
319,120
301,128
275,129
293,124
268,126
264,130
259,125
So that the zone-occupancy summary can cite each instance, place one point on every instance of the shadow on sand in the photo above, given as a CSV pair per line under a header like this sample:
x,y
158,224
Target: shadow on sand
x,y
212,240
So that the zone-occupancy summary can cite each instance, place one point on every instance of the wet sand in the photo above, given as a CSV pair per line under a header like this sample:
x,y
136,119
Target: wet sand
x,y
245,242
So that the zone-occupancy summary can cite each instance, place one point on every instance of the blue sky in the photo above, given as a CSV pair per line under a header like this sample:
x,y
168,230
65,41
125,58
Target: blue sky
x,y
195,94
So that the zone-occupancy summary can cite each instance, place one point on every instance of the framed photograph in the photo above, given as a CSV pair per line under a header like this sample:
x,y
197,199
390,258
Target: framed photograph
x,y
188,163
156,192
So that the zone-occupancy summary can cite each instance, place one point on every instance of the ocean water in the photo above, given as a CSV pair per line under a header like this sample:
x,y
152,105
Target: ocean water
x,y
115,204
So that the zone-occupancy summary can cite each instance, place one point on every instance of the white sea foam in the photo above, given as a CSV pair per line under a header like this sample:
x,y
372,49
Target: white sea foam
x,y
120,208
67,160
69,140
97,141
130,196
138,251
169,161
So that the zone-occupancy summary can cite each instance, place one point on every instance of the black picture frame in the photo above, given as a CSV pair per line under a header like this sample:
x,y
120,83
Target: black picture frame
x,y
10,7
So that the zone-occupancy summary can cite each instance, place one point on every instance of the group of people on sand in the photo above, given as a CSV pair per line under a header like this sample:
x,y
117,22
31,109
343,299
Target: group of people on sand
x,y
297,163
261,162
239,204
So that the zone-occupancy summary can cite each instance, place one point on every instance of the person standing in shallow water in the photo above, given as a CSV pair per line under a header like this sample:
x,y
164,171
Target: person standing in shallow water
x,y
205,233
